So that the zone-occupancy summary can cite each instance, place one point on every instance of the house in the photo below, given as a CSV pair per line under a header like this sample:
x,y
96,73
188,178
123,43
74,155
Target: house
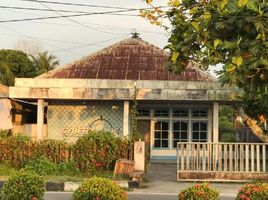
x,y
97,92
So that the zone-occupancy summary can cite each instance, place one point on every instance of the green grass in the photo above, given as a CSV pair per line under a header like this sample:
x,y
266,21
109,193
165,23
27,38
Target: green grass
x,y
6,171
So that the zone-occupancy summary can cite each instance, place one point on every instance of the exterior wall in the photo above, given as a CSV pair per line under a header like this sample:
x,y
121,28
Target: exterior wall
x,y
69,120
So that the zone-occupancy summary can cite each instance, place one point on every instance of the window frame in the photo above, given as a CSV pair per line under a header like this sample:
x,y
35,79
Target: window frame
x,y
161,136
173,132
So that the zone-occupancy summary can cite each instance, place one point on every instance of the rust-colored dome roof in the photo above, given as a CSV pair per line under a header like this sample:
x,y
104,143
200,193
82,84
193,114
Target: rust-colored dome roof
x,y
129,59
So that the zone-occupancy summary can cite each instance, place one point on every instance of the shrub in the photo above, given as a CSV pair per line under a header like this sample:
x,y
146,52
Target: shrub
x,y
5,133
99,188
24,185
199,192
50,149
99,150
255,191
11,150
41,167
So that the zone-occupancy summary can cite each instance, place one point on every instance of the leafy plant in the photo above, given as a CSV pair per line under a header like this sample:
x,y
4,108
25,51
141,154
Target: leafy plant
x,y
41,167
97,188
24,185
255,191
199,192
99,150
4,134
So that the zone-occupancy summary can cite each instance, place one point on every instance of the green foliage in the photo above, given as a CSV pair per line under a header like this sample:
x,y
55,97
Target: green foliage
x,y
199,192
99,188
6,170
49,149
226,124
6,75
41,167
255,191
99,150
45,62
26,186
135,135
4,134
14,63
230,33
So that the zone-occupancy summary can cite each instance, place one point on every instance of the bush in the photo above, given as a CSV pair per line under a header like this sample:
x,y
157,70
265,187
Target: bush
x,y
41,167
44,166
99,188
199,192
26,186
5,133
255,191
99,150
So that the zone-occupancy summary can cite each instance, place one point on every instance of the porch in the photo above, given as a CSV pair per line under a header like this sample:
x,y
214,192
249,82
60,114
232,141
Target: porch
x,y
222,161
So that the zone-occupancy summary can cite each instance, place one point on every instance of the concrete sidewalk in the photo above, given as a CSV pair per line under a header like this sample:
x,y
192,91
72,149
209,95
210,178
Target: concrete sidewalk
x,y
161,178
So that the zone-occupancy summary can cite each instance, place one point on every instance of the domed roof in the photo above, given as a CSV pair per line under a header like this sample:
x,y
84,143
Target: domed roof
x,y
129,59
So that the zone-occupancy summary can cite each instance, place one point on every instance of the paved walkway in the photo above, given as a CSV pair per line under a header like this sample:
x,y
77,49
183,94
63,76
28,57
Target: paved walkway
x,y
161,178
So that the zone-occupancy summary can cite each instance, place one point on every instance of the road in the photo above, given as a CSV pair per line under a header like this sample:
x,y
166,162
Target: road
x,y
131,196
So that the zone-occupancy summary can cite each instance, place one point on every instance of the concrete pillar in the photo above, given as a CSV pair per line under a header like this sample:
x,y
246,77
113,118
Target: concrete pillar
x,y
40,118
126,119
139,155
215,122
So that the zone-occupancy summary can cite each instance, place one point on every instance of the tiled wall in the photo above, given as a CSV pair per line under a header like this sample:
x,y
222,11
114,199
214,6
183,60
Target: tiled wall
x,y
69,120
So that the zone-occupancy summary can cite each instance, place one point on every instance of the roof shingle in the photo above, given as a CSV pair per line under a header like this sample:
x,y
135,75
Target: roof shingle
x,y
129,59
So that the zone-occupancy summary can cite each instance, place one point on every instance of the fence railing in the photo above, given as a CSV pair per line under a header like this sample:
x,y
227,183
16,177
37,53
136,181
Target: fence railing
x,y
222,157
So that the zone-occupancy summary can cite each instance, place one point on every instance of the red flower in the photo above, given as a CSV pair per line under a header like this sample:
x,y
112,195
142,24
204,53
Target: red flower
x,y
34,198
98,198
242,196
197,185
247,193
247,198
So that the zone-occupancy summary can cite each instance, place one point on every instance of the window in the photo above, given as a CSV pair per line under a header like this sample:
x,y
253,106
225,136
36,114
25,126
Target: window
x,y
161,134
199,113
180,113
143,113
180,132
199,131
161,113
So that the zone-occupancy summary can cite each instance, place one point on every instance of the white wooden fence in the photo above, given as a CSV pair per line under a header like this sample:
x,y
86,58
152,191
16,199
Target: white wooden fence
x,y
222,157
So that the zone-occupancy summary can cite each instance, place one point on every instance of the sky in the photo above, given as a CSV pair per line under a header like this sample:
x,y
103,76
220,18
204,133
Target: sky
x,y
72,38
69,40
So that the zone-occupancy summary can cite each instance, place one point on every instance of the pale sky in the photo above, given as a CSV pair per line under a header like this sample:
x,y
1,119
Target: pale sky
x,y
68,40
63,38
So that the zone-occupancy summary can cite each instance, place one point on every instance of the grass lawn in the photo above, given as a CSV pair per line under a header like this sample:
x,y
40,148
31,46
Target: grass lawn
x,y
6,171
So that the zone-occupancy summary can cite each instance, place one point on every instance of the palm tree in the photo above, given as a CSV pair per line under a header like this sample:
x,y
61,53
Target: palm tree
x,y
45,62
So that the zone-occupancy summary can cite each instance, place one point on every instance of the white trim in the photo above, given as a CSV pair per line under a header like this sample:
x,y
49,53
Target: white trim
x,y
126,119
40,118
215,122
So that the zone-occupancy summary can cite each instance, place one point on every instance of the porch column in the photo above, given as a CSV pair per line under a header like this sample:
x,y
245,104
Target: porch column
x,y
215,122
40,118
126,119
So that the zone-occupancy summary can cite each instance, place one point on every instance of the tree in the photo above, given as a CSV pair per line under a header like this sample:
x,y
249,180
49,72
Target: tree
x,y
233,33
14,63
45,62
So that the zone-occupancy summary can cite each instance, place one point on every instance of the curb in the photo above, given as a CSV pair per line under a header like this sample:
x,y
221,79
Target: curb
x,y
72,186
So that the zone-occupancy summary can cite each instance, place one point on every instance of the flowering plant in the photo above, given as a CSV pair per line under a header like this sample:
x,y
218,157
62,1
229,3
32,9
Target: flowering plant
x,y
199,192
253,191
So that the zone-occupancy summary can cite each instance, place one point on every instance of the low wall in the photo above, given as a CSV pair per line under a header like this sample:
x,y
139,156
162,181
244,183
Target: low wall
x,y
221,176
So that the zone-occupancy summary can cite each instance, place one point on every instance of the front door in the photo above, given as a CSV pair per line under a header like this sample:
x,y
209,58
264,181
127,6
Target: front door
x,y
144,130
